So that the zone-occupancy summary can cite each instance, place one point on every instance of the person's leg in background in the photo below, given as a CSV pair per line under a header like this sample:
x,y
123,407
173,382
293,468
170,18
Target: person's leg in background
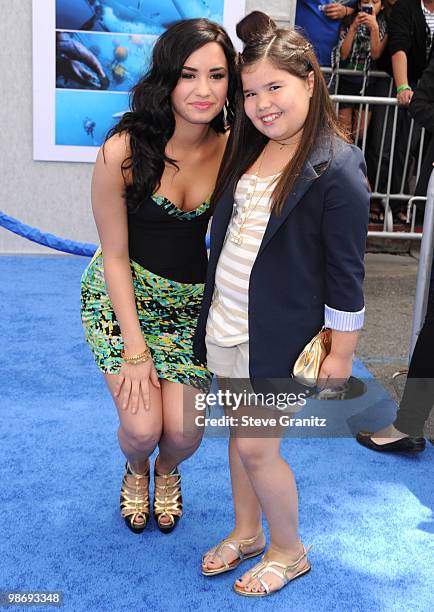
x,y
375,135
406,432
381,89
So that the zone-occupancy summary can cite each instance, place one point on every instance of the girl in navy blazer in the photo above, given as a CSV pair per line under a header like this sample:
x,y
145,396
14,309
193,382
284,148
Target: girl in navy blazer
x,y
287,248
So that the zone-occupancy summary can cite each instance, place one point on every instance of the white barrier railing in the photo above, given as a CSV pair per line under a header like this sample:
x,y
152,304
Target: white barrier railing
x,y
378,74
427,234
365,104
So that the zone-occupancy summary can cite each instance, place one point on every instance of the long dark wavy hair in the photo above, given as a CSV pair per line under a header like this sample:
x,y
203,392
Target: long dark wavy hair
x,y
151,123
288,50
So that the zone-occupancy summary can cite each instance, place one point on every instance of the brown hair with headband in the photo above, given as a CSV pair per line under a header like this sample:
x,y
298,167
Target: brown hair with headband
x,y
285,49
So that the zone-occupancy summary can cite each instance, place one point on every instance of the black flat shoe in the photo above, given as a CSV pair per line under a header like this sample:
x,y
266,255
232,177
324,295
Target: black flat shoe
x,y
405,445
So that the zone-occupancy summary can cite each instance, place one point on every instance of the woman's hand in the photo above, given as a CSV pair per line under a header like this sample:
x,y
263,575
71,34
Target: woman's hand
x,y
335,371
133,385
335,11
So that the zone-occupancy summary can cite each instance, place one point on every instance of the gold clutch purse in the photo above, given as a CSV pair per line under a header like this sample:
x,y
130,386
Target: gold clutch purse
x,y
309,362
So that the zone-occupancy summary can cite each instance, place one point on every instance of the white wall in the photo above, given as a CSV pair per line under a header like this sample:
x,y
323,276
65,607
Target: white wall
x,y
51,196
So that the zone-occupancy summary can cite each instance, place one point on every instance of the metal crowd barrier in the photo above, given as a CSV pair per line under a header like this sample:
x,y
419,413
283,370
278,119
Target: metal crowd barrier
x,y
365,104
369,73
427,235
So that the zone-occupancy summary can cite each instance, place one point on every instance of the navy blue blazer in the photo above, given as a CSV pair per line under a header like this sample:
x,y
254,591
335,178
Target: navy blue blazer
x,y
311,254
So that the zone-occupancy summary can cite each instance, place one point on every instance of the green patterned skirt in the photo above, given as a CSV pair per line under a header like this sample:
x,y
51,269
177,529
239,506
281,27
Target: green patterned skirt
x,y
167,311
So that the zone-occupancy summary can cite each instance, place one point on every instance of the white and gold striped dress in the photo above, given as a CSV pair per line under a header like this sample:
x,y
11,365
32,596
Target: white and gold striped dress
x,y
227,323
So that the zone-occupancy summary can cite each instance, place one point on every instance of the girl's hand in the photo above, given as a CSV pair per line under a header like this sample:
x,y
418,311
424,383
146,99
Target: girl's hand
x,y
335,371
370,21
335,10
357,21
133,385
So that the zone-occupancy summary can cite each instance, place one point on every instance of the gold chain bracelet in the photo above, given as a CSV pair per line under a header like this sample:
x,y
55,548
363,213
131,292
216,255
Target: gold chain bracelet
x,y
139,358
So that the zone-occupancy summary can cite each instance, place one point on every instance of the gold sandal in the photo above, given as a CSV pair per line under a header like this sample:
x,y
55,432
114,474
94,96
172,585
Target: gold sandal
x,y
167,499
134,502
263,567
236,546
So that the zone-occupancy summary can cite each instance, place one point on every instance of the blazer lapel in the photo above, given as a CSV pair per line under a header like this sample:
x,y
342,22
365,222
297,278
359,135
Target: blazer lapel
x,y
302,184
224,208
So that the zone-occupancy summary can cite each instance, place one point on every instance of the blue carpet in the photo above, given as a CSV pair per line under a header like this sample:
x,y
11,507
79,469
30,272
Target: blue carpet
x,y
369,516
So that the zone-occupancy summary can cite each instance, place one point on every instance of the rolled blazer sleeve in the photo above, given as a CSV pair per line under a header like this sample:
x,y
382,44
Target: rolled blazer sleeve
x,y
344,230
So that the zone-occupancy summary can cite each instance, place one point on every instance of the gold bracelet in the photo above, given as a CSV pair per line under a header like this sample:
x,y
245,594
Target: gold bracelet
x,y
139,358
136,361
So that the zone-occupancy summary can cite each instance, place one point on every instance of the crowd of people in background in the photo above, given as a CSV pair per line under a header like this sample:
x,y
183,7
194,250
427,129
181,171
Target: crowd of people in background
x,y
392,36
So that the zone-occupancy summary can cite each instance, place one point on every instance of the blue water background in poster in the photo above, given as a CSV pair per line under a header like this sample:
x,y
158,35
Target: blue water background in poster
x,y
132,16
83,118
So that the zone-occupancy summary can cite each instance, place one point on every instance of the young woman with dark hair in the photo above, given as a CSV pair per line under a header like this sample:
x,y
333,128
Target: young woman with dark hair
x,y
142,291
287,248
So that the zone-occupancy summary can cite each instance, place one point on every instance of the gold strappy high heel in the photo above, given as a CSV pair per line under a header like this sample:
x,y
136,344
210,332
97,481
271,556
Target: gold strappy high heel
x,y
134,502
237,547
167,499
264,567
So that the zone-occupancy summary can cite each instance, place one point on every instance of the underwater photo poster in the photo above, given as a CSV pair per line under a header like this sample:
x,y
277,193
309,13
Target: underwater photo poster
x,y
88,54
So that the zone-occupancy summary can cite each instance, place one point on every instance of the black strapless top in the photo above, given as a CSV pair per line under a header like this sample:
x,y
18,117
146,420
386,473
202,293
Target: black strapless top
x,y
168,241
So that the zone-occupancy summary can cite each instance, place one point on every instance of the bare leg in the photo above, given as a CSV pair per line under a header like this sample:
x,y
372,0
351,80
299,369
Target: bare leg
x,y
248,512
275,487
180,436
365,116
138,434
346,119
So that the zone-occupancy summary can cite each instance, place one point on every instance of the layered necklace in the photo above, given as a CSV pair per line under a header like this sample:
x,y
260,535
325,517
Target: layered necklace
x,y
235,234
